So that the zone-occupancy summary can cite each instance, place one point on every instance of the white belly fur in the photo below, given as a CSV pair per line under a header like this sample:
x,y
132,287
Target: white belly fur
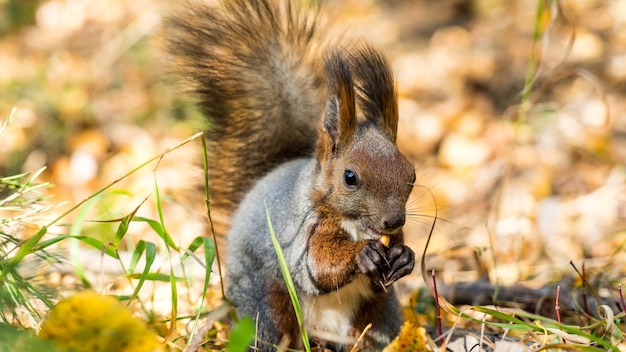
x,y
329,317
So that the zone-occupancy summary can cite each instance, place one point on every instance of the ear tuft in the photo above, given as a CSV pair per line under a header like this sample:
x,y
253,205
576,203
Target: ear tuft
x,y
339,122
376,89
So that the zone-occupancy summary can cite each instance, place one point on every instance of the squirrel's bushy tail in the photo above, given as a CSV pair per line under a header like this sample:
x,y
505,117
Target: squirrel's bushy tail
x,y
256,68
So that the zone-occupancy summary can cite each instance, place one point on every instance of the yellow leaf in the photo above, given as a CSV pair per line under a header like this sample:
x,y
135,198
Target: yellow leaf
x,y
411,338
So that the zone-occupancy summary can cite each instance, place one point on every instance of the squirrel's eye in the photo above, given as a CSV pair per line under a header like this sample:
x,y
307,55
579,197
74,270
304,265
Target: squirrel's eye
x,y
349,178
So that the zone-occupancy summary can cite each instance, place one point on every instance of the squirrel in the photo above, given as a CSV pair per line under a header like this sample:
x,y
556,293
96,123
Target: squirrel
x,y
302,127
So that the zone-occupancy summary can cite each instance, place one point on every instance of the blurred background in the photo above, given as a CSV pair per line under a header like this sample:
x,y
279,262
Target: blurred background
x,y
522,181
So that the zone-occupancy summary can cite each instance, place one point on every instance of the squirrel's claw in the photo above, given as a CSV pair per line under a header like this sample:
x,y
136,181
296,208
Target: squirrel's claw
x,y
385,265
402,261
372,261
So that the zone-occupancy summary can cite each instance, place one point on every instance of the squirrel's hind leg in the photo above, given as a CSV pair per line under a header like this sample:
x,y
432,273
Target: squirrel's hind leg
x,y
272,311
385,314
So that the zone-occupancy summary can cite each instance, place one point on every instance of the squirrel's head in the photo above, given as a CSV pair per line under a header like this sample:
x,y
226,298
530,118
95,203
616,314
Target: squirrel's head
x,y
364,180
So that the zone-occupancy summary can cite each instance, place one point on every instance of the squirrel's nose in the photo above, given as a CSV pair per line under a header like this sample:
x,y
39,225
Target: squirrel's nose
x,y
394,222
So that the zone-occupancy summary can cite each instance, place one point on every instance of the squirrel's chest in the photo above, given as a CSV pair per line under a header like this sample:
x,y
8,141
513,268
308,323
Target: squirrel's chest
x,y
330,317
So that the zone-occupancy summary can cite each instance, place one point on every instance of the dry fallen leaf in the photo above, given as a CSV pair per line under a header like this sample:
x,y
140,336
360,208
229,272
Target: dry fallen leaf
x,y
411,338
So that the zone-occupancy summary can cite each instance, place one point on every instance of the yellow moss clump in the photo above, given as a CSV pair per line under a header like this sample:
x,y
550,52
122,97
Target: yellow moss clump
x,y
88,321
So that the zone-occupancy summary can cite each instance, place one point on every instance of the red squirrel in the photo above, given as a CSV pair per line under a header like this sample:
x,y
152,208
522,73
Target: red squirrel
x,y
306,126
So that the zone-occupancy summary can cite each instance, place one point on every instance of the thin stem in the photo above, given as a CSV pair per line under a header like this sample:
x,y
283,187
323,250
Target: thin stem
x,y
557,308
439,327
157,157
208,210
585,305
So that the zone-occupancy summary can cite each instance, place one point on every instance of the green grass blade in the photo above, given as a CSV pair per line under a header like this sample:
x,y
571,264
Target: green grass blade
x,y
156,277
142,165
99,245
209,257
288,281
531,69
195,244
122,229
150,250
207,244
163,233
241,335
520,325
75,233
134,259
18,185
26,248
207,195
160,230
174,292
35,175
42,245
8,120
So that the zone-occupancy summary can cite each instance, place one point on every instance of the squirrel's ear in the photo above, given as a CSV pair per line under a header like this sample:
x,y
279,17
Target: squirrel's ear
x,y
376,89
339,122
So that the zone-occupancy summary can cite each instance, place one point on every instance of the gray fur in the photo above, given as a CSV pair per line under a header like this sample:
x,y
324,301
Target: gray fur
x,y
251,261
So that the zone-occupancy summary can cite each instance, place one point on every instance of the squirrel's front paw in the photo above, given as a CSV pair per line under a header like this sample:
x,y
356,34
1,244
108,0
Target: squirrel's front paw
x,y
385,265
401,261
372,261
